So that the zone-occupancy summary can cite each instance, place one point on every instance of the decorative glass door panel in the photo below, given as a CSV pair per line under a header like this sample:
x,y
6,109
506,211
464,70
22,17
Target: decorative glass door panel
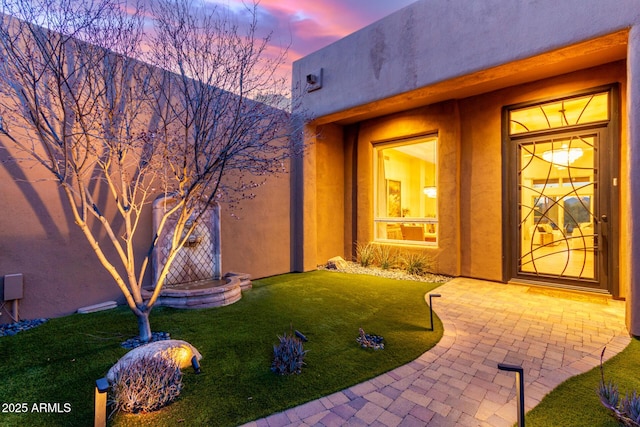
x,y
561,188
557,206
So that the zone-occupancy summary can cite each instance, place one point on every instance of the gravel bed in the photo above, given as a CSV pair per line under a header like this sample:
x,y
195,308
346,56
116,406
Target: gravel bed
x,y
9,329
132,343
393,273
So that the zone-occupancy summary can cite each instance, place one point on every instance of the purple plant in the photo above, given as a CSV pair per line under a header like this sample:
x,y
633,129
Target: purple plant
x,y
288,355
625,410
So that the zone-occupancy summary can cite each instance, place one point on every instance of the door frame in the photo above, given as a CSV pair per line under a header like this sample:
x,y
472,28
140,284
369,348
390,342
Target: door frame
x,y
609,172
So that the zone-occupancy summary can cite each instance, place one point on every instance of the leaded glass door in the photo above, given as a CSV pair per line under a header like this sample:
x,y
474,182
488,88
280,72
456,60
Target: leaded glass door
x,y
560,180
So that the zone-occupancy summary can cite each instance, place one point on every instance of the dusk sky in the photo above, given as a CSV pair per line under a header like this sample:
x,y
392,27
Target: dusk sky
x,y
307,25
312,24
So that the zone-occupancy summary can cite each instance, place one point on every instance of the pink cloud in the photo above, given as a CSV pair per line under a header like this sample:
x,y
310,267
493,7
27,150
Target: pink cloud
x,y
308,25
315,24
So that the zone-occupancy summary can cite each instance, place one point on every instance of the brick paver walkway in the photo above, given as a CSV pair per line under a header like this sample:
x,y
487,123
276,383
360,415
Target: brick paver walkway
x,y
553,334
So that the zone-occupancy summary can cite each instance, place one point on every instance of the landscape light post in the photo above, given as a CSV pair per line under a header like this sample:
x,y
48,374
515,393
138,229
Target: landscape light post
x,y
519,388
100,410
431,308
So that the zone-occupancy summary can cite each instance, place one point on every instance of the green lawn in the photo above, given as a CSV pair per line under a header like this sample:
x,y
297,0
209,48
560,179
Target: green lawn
x,y
575,402
59,361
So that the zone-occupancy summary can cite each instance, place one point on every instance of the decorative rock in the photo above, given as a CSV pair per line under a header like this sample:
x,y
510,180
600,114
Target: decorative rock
x,y
370,341
179,351
337,263
9,329
392,273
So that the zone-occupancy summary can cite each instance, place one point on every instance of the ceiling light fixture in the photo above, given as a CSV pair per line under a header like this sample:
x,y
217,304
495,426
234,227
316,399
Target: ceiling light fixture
x,y
563,156
430,192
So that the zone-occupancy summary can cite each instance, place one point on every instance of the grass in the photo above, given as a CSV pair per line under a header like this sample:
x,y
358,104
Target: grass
x,y
59,361
575,402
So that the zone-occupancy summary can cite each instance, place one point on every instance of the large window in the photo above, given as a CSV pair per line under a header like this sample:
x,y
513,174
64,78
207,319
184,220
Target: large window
x,y
406,191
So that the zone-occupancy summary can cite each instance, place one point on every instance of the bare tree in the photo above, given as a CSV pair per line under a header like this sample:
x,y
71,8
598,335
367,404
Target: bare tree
x,y
92,100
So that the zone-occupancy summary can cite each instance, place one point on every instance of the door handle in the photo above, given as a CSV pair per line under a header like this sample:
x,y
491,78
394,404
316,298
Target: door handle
x,y
604,218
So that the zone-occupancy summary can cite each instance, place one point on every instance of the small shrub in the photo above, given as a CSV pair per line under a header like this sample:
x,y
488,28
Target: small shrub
x,y
146,385
625,410
386,257
288,355
365,254
417,263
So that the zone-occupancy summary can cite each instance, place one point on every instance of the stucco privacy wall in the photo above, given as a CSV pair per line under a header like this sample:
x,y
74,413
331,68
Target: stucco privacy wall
x,y
431,41
39,239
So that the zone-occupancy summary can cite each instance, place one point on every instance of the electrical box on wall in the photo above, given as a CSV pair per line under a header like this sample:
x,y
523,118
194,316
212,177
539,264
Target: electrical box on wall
x,y
13,287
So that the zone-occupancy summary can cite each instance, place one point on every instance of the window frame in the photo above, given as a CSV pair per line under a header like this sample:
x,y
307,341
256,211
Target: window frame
x,y
423,221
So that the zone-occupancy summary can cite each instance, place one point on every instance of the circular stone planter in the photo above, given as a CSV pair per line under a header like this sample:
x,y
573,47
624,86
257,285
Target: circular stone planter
x,y
205,293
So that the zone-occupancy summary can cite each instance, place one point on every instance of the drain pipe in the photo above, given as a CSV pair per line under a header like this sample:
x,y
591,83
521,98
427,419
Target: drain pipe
x,y
519,388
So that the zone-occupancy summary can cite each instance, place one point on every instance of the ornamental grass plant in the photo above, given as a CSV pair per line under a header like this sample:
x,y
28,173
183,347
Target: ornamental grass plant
x,y
417,263
365,254
288,355
386,257
146,385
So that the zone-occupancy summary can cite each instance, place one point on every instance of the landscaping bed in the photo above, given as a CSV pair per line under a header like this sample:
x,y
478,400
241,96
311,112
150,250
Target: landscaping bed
x,y
59,361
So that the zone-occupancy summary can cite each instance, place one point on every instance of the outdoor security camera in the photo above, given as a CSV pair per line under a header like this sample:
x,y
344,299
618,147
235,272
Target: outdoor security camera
x,y
312,79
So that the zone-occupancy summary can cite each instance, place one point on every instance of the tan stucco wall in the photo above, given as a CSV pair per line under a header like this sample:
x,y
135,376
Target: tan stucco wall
x,y
330,194
481,189
630,203
470,204
443,120
481,178
430,42
256,237
39,239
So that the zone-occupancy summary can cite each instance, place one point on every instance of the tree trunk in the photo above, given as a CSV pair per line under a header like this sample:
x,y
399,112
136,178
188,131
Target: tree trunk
x,y
144,327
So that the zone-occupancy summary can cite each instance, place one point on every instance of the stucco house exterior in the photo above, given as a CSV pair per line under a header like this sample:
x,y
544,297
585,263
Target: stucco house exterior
x,y
501,138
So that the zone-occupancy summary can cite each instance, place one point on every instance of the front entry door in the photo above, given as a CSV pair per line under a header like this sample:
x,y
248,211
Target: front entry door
x,y
560,191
